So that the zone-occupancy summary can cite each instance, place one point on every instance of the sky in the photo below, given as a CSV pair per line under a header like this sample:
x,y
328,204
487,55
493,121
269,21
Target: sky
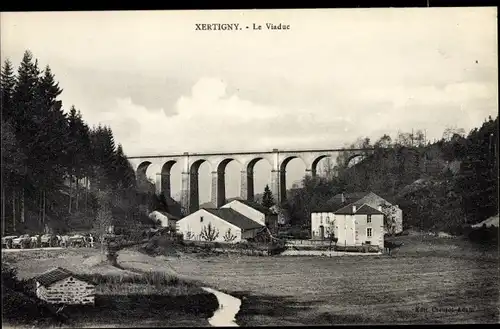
x,y
334,76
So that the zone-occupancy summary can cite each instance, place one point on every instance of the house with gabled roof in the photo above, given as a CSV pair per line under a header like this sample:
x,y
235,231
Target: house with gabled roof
x,y
254,211
225,222
164,218
352,225
389,207
61,286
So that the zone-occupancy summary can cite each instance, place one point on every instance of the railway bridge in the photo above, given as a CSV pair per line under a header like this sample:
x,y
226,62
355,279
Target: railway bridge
x,y
191,162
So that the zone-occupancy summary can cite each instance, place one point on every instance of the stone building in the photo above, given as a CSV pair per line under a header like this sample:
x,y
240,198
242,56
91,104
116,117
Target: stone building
x,y
60,286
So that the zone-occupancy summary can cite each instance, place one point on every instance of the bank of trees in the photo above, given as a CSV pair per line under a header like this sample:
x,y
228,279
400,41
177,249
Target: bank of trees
x,y
52,161
449,197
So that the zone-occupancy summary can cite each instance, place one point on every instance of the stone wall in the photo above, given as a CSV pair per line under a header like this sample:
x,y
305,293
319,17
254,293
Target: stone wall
x,y
67,291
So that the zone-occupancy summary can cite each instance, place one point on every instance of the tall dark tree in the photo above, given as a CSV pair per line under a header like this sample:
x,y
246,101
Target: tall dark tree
x,y
7,85
103,149
26,117
267,198
124,175
13,171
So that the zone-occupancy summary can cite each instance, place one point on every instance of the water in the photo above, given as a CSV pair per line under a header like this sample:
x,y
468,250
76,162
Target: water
x,y
229,306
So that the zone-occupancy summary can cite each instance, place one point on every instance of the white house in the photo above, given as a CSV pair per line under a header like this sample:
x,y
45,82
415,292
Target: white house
x,y
256,212
250,211
375,201
352,225
226,222
166,219
60,286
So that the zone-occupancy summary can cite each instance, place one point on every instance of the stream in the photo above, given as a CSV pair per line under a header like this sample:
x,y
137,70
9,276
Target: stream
x,y
229,306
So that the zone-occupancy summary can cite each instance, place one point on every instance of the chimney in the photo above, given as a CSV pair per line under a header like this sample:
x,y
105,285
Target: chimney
x,y
342,197
379,208
353,209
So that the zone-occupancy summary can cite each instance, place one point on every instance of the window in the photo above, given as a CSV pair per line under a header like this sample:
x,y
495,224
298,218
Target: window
x,y
369,232
201,219
369,218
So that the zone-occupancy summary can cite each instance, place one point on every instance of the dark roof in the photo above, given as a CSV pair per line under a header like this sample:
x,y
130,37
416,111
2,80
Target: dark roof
x,y
235,218
55,275
368,210
252,204
173,207
349,197
168,215
363,209
346,210
355,198
207,205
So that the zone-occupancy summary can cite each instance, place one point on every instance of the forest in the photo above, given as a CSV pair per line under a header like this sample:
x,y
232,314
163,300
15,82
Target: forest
x,y
58,173
441,185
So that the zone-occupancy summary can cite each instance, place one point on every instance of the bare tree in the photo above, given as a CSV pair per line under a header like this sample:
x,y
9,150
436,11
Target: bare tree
x,y
330,234
104,218
404,139
450,131
389,218
209,233
229,236
189,235
384,141
328,169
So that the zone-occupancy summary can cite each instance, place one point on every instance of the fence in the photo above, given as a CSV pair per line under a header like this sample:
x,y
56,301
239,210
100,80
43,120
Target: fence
x,y
308,243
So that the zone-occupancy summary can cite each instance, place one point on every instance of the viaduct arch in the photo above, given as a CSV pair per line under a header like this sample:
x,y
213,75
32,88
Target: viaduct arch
x,y
218,162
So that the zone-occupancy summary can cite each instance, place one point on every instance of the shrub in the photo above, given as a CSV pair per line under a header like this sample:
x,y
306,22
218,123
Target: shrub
x,y
149,278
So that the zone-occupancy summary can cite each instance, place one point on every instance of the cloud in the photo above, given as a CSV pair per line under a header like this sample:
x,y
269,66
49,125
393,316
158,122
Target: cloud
x,y
211,119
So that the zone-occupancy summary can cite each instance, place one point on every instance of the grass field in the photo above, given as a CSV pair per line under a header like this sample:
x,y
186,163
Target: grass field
x,y
427,273
422,283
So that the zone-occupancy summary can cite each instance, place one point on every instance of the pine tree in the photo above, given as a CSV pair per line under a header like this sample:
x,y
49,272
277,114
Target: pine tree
x,y
26,117
103,150
7,85
52,141
267,198
124,173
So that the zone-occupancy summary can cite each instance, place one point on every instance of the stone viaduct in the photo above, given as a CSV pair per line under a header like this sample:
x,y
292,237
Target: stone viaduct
x,y
191,162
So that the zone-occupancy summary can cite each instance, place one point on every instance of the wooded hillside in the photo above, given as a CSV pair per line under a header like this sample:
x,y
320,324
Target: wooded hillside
x,y
439,186
53,163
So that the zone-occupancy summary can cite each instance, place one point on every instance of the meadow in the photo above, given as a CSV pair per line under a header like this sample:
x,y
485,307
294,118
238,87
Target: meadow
x,y
429,280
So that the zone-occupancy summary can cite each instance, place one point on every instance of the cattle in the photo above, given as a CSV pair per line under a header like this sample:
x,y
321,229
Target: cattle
x,y
77,240
63,240
390,246
48,240
7,241
35,241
